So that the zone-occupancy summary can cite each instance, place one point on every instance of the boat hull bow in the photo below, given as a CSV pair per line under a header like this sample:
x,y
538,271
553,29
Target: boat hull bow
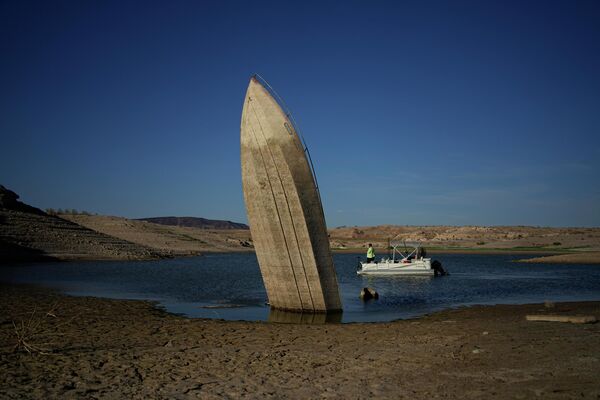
x,y
284,209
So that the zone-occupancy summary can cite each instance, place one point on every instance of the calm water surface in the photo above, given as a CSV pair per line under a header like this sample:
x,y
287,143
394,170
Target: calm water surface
x,y
229,286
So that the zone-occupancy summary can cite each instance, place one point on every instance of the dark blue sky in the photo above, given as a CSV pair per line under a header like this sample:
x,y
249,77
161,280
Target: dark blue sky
x,y
419,112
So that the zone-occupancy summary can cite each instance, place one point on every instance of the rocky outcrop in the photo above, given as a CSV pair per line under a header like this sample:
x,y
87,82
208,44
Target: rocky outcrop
x,y
9,200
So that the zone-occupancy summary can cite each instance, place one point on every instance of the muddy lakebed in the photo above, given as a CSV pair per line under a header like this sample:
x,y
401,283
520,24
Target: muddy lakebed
x,y
229,285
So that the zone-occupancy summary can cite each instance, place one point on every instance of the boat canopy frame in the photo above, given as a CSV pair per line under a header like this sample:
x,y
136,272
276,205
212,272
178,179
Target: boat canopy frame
x,y
406,254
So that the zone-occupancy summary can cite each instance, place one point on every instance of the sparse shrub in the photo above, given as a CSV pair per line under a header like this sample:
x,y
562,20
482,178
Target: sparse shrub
x,y
32,335
480,243
68,211
557,243
41,332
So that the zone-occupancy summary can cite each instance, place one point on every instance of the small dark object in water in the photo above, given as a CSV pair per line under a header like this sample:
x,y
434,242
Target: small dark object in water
x,y
368,294
438,270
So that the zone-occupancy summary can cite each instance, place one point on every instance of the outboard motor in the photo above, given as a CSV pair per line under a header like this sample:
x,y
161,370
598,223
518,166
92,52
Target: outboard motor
x,y
438,270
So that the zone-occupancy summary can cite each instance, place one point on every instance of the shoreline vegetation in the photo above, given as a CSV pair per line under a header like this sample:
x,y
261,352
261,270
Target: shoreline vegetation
x,y
97,348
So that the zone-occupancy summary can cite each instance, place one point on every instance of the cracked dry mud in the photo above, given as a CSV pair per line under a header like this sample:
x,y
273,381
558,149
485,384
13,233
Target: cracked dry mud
x,y
100,348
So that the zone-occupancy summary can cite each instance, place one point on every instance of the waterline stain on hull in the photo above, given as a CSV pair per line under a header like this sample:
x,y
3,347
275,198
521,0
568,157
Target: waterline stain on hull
x,y
284,209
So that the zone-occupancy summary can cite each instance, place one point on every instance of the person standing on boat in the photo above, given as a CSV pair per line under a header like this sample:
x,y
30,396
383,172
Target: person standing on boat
x,y
370,254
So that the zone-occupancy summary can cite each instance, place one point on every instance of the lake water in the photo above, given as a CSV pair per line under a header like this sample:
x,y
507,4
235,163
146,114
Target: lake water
x,y
229,286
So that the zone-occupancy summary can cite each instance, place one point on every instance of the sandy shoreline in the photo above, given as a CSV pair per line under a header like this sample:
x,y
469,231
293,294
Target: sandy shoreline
x,y
573,258
100,348
536,256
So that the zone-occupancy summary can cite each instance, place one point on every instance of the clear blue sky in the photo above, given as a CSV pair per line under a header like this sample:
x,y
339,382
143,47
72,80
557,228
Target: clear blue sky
x,y
416,112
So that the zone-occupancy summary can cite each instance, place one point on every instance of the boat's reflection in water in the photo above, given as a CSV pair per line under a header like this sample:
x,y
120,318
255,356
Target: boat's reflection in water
x,y
398,284
304,318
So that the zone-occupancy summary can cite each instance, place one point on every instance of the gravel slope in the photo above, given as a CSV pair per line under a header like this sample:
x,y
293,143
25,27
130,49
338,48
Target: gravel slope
x,y
27,236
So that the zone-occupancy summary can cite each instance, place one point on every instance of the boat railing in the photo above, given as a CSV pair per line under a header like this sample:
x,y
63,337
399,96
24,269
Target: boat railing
x,y
290,117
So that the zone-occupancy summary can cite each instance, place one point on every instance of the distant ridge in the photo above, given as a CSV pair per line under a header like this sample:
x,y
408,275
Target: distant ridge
x,y
196,222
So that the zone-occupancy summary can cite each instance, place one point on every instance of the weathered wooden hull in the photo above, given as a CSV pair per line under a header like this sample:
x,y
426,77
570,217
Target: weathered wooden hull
x,y
284,209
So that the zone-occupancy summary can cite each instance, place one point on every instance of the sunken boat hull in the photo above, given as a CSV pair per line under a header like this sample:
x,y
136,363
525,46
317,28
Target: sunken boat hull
x,y
284,209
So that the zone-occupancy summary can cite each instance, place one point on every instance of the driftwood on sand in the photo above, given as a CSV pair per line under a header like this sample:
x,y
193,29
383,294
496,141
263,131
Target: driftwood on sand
x,y
574,319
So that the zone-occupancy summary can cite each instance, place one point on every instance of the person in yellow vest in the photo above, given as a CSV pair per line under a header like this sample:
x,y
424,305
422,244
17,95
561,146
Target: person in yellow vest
x,y
370,254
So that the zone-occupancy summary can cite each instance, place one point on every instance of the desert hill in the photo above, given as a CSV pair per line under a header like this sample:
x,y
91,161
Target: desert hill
x,y
581,245
177,240
29,234
195,222
186,240
470,237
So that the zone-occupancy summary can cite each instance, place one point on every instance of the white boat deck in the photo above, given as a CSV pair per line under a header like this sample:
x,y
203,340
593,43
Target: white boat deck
x,y
412,267
409,263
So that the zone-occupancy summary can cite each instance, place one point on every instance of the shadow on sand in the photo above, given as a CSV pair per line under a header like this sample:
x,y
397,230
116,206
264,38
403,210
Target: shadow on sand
x,y
304,318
